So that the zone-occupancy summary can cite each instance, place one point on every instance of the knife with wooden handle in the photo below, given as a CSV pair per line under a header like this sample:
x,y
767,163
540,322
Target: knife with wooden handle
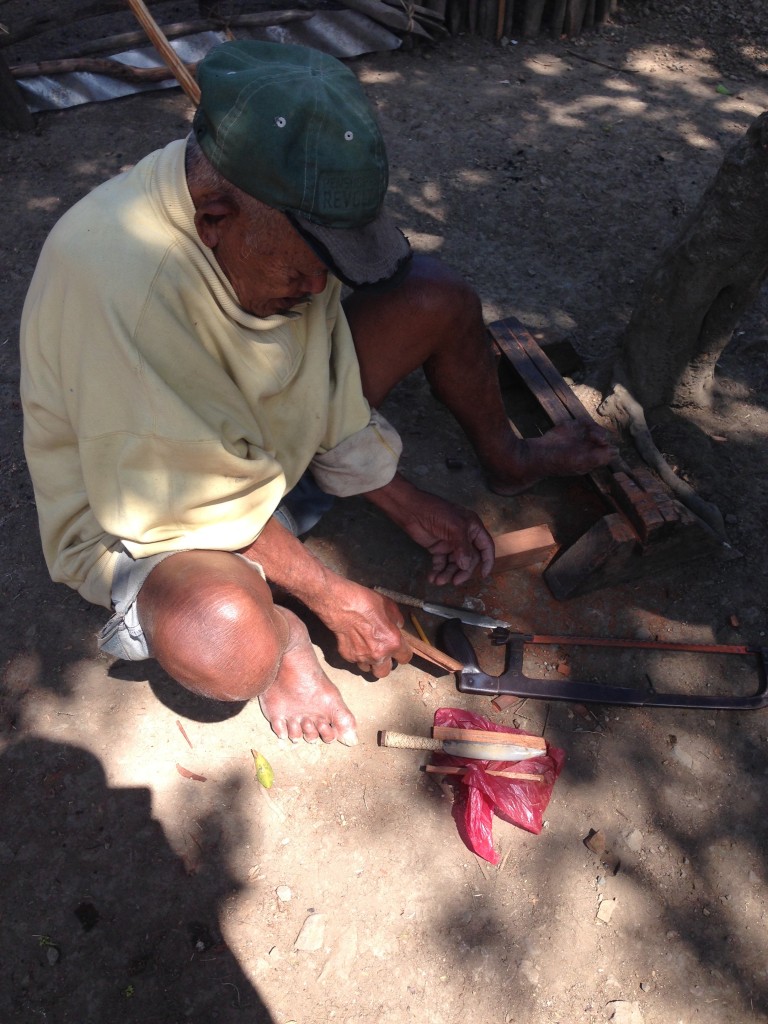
x,y
476,744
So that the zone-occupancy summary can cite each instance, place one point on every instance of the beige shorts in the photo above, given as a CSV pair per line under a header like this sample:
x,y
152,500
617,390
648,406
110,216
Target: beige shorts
x,y
123,636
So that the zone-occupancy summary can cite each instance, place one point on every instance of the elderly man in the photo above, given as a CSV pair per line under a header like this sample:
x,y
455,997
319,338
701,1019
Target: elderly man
x,y
190,372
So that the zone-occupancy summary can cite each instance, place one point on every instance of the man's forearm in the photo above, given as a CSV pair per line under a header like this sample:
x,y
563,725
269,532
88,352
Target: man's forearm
x,y
366,625
395,499
289,565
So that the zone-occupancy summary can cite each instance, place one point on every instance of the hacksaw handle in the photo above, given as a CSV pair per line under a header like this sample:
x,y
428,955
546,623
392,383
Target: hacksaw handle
x,y
402,741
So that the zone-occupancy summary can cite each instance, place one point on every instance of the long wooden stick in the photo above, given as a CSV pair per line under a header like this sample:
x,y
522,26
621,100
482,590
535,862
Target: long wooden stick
x,y
96,66
166,51
440,769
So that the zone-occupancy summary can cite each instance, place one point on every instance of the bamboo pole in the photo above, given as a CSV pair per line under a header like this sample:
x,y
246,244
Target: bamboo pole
x,y
534,11
500,15
558,18
166,51
574,16
509,18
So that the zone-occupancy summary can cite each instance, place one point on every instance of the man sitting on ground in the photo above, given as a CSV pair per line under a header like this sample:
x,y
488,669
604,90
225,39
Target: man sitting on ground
x,y
189,372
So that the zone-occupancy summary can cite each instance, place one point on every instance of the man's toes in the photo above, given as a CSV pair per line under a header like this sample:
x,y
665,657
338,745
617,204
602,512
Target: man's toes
x,y
327,732
295,731
280,728
309,730
346,727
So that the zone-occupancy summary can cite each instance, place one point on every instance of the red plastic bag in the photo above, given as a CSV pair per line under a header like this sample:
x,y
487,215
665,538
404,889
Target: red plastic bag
x,y
479,795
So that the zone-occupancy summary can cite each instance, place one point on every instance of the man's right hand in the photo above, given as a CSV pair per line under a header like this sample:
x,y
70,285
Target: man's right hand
x,y
367,627
366,624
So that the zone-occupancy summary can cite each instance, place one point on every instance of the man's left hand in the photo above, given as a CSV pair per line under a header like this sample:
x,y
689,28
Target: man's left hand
x,y
454,536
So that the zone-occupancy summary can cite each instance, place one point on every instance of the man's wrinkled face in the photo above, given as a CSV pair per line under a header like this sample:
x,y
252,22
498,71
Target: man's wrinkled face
x,y
270,270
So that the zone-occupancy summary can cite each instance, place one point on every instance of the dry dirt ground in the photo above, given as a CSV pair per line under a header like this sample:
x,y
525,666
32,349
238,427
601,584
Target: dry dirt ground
x,y
551,173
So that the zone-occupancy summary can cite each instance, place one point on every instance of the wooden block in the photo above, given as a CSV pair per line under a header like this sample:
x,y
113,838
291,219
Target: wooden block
x,y
610,552
646,529
639,507
583,567
537,371
662,496
523,547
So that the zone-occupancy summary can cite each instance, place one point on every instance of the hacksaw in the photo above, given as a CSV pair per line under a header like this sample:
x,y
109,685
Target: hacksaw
x,y
514,682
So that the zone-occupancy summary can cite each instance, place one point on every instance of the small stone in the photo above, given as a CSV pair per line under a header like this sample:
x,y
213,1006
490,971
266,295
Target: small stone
x,y
529,971
596,842
52,955
283,893
605,910
312,933
682,755
625,1012
635,840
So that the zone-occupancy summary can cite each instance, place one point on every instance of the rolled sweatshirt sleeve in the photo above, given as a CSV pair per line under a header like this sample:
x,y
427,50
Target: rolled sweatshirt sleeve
x,y
364,461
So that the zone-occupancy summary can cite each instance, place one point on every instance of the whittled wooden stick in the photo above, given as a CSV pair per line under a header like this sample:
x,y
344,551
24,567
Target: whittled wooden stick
x,y
438,769
425,650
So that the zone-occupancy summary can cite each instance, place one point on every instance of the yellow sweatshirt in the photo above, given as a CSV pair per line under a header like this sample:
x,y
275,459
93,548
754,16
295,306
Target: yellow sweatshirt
x,y
160,416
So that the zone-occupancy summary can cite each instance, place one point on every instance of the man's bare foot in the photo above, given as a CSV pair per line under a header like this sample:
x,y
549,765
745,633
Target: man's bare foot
x,y
570,449
302,701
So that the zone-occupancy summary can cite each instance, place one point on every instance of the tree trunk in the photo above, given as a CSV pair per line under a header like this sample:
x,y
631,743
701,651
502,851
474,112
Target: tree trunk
x,y
693,299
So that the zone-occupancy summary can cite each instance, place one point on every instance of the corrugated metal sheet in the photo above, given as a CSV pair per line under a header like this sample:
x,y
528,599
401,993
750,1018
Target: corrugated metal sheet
x,y
340,33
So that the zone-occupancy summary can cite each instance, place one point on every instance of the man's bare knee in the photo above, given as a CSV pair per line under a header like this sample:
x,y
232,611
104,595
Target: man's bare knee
x,y
215,632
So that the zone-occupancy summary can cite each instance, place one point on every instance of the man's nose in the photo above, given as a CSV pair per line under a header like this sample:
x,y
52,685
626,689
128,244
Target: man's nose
x,y
315,283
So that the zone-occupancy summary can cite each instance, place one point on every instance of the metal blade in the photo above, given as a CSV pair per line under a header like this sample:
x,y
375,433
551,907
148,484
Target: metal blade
x,y
468,617
489,751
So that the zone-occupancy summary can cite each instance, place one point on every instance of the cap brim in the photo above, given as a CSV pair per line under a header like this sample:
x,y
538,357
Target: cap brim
x,y
368,255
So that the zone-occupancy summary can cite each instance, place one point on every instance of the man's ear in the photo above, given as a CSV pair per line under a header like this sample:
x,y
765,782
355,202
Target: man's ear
x,y
214,214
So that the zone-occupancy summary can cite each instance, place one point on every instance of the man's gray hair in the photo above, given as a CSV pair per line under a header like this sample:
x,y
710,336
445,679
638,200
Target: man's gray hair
x,y
201,174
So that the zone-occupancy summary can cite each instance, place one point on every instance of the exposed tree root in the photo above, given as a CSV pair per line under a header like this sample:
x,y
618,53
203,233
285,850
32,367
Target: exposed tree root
x,y
621,406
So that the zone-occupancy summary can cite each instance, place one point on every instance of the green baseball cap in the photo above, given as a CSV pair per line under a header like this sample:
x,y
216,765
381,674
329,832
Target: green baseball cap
x,y
292,127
